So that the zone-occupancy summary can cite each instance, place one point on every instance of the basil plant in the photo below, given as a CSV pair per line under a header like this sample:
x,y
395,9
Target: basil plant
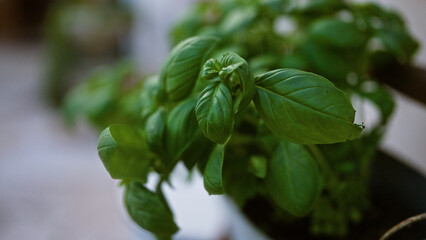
x,y
246,134
344,41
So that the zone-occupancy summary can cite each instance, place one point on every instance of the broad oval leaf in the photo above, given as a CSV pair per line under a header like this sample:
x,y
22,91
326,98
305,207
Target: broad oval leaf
x,y
181,130
304,108
154,128
338,33
213,172
293,179
124,153
182,67
214,112
148,210
246,78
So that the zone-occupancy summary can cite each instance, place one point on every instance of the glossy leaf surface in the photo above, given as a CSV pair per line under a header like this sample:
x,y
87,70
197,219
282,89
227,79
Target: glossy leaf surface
x,y
181,69
214,112
148,210
213,172
293,179
124,153
304,108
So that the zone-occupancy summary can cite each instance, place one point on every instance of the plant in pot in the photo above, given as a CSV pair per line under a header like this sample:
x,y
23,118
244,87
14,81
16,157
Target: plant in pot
x,y
280,140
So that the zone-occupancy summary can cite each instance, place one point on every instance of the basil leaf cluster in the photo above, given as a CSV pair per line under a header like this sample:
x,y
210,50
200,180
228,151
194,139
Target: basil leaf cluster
x,y
261,112
178,123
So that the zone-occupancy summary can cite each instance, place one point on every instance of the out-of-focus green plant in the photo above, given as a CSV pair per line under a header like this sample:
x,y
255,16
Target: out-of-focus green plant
x,y
80,35
109,95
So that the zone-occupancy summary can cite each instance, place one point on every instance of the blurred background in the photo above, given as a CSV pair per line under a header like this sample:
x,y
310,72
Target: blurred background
x,y
52,184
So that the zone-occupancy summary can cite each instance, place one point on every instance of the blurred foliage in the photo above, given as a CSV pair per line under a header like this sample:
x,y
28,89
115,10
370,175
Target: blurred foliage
x,y
80,35
109,95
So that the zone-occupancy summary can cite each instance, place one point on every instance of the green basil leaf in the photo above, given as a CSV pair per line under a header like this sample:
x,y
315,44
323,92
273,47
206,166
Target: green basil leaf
x,y
197,151
211,69
293,179
214,112
304,108
151,95
229,69
148,210
154,129
337,33
246,78
213,172
124,153
398,42
181,129
182,67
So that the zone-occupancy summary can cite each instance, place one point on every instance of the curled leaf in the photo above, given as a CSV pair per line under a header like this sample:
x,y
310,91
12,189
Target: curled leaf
x,y
211,69
182,67
231,62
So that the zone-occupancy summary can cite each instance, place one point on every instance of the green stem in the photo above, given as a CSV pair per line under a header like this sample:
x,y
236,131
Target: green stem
x,y
160,194
322,162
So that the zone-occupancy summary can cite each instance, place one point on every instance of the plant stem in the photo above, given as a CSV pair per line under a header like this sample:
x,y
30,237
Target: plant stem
x,y
316,152
160,194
